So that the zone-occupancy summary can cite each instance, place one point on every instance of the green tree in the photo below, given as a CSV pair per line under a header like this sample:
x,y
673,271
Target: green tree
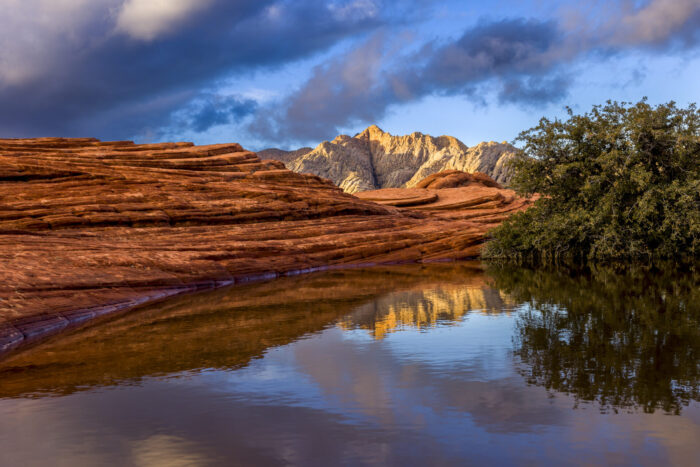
x,y
620,182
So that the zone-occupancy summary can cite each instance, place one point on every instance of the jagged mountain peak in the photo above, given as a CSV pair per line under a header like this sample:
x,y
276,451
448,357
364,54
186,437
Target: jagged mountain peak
x,y
374,159
372,130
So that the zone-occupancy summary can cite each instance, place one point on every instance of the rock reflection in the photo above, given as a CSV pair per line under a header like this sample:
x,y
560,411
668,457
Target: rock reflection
x,y
304,370
627,340
225,329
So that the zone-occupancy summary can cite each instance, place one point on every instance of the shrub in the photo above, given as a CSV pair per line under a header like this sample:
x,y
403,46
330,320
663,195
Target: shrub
x,y
621,182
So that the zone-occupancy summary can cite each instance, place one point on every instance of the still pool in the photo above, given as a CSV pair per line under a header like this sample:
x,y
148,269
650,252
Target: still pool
x,y
451,364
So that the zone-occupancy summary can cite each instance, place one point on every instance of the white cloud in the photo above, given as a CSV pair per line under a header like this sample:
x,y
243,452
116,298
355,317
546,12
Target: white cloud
x,y
355,10
148,19
656,21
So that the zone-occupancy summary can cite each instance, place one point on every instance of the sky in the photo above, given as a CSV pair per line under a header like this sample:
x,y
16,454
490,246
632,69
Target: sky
x,y
292,73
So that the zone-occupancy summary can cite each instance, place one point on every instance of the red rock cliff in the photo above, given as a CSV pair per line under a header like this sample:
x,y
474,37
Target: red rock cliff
x,y
88,228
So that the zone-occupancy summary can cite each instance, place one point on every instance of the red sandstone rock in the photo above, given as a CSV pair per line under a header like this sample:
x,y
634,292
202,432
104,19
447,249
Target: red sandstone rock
x,y
455,195
456,178
88,228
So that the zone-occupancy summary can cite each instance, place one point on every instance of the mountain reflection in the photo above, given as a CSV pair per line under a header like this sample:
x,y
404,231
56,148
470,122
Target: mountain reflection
x,y
225,329
425,309
624,340
627,340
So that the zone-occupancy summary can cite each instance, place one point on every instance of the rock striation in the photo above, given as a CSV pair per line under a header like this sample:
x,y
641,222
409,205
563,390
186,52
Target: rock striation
x,y
91,228
375,159
456,195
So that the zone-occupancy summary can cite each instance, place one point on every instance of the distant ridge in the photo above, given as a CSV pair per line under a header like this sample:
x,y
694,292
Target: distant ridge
x,y
375,159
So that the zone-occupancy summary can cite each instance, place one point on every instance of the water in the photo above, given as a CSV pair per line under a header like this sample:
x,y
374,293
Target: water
x,y
412,365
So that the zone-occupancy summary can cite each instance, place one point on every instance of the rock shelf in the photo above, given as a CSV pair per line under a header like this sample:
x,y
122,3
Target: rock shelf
x,y
91,228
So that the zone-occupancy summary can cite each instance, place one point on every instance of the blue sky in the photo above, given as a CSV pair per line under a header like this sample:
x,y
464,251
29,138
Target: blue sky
x,y
288,73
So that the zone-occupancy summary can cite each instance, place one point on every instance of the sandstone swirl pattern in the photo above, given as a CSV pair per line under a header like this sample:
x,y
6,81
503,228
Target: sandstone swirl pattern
x,y
88,228
375,159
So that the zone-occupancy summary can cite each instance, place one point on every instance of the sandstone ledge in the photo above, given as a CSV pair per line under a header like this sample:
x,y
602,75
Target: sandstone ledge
x,y
90,228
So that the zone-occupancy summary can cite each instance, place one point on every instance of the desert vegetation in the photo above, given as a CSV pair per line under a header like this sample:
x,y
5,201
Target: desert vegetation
x,y
620,182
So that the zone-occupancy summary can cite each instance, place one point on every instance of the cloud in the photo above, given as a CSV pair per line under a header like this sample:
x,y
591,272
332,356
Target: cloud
x,y
36,34
657,22
347,88
209,110
122,68
535,90
354,10
147,19
492,50
520,61
361,85
87,67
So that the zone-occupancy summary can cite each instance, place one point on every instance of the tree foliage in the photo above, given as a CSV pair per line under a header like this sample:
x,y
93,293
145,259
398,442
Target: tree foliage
x,y
619,182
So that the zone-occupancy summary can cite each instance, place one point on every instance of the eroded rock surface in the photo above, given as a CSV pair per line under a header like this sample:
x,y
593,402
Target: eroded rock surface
x,y
88,228
375,159
456,195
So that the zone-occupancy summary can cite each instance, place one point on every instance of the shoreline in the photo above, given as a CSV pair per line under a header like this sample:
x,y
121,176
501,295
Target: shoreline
x,y
26,332
90,229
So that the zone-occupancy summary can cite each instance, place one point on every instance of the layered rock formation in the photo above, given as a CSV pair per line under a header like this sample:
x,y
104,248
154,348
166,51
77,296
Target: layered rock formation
x,y
375,159
453,194
88,228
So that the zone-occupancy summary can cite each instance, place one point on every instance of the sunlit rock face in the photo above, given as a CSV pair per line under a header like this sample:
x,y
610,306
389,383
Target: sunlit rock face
x,y
454,194
375,159
88,228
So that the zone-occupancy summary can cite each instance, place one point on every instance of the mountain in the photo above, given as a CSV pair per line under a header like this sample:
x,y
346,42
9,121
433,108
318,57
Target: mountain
x,y
375,159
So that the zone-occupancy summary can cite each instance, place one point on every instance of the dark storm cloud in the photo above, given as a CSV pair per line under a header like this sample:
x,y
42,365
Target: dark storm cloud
x,y
534,90
491,49
518,54
128,68
115,68
523,61
219,110
345,89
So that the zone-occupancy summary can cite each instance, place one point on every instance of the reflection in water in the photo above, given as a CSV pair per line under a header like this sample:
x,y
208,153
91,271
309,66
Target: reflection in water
x,y
424,309
310,370
627,340
224,329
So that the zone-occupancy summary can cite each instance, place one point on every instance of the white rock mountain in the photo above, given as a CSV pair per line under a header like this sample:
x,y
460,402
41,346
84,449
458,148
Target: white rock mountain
x,y
375,159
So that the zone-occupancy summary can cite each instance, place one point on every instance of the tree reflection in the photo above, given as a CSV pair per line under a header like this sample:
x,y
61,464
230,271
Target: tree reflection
x,y
628,340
